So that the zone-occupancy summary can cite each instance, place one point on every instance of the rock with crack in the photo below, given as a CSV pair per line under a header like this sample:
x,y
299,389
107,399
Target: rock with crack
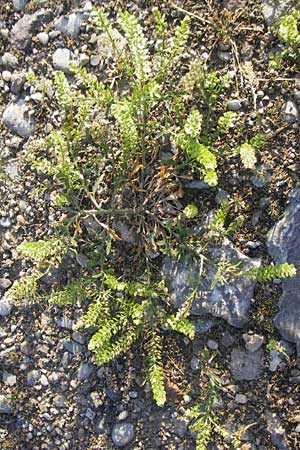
x,y
230,301
283,242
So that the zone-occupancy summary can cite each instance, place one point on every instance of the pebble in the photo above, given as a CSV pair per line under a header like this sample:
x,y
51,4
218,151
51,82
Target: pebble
x,y
290,112
43,38
85,371
5,307
8,378
224,56
33,376
234,105
19,5
241,398
5,406
253,341
64,322
203,326
122,434
73,347
6,75
44,380
59,401
83,59
17,82
9,60
5,283
69,25
195,364
61,59
212,345
5,222
123,415
275,360
17,118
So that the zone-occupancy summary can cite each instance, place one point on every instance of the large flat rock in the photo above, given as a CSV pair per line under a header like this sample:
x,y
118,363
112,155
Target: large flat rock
x,y
283,242
230,301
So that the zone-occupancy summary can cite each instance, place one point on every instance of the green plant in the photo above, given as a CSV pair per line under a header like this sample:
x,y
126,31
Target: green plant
x,y
289,34
204,414
118,200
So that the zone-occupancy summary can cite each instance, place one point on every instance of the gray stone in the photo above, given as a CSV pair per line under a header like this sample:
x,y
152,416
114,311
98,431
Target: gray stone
x,y
43,38
246,365
122,434
22,31
230,301
5,283
101,427
61,59
212,345
6,75
276,431
73,347
17,82
283,242
33,376
123,415
19,5
274,9
261,178
195,364
224,56
85,371
275,360
5,307
9,378
253,341
241,399
64,322
234,105
69,25
9,60
17,119
222,196
60,401
290,112
180,426
5,405
5,222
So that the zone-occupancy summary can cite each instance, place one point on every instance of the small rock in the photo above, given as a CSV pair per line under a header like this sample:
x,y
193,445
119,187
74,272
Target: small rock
x,y
83,59
123,415
224,56
5,283
95,60
43,38
241,398
6,75
61,59
84,372
276,431
246,365
253,341
234,105
275,9
290,112
197,184
180,427
5,307
19,5
297,429
37,97
8,378
5,222
275,360
73,347
44,380
222,196
59,401
17,82
90,414
122,434
212,345
17,119
9,60
227,339
78,337
33,376
195,364
69,25
203,326
64,322
88,7
100,427
5,405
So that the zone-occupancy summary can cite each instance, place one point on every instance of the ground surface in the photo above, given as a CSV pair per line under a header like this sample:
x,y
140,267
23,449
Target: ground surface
x,y
58,398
